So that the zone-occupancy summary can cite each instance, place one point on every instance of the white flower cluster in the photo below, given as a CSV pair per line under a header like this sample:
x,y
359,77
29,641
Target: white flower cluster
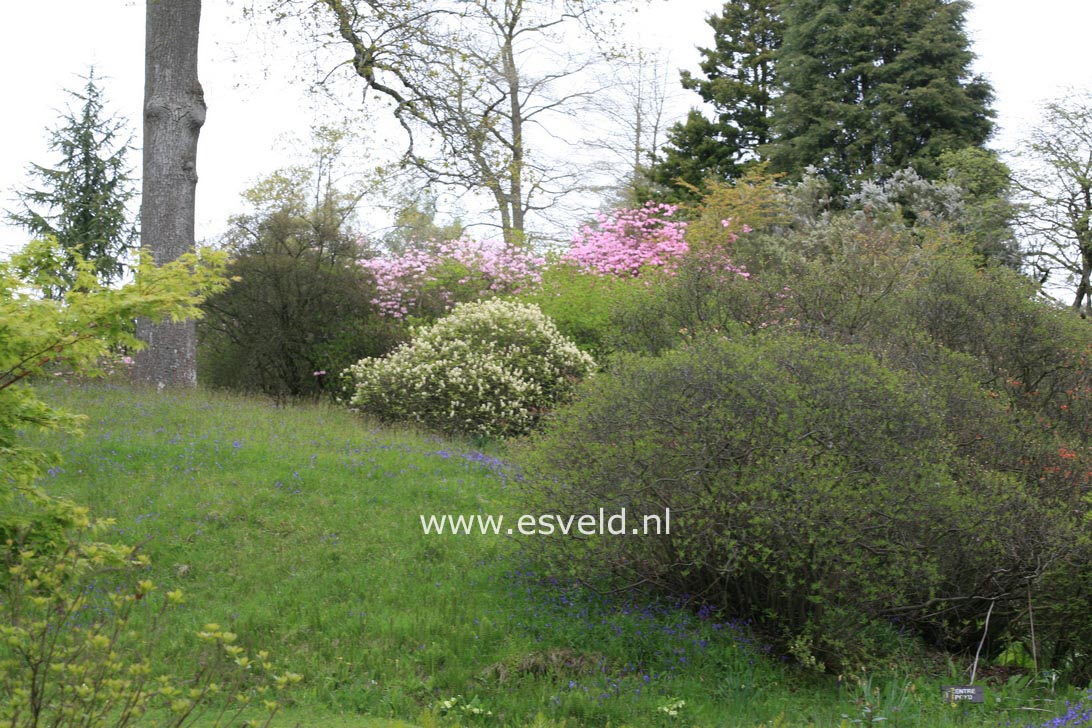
x,y
489,368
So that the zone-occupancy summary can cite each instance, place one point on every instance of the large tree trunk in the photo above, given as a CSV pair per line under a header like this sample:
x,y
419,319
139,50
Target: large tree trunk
x,y
174,111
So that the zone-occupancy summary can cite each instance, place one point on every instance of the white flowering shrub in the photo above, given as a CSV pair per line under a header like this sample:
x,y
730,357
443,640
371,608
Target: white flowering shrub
x,y
489,368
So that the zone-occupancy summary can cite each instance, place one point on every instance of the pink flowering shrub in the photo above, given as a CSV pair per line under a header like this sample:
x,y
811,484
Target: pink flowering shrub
x,y
625,241
428,282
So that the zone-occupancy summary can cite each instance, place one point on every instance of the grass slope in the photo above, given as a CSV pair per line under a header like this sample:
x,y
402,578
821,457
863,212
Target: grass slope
x,y
299,529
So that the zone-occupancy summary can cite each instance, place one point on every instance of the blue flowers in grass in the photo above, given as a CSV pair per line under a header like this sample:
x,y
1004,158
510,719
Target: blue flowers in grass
x,y
650,641
1077,715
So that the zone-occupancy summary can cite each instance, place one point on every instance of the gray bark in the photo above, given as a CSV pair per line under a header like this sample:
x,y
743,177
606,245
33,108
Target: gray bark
x,y
174,111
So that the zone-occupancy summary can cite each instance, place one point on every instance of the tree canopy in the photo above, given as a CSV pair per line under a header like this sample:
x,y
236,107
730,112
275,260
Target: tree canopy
x,y
740,82
857,89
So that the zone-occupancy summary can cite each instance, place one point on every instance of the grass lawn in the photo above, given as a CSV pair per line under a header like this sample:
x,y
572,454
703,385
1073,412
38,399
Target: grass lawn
x,y
299,529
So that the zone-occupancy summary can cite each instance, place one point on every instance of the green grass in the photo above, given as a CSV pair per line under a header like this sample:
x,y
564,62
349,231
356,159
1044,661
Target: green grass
x,y
298,528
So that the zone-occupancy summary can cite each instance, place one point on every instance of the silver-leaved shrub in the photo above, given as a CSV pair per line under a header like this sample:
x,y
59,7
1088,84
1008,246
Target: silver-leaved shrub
x,y
490,369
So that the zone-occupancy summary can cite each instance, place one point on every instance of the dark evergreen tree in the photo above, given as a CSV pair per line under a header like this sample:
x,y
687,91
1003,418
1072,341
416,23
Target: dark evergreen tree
x,y
740,82
873,86
83,201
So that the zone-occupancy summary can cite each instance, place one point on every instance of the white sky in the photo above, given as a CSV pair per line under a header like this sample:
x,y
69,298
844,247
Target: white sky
x,y
1030,52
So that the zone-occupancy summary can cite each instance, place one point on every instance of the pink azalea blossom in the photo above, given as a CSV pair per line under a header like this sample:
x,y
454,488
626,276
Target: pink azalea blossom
x,y
625,241
403,280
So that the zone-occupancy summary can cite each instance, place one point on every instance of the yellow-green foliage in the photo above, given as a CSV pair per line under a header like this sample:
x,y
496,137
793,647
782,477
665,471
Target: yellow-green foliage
x,y
39,334
581,303
66,658
71,656
728,209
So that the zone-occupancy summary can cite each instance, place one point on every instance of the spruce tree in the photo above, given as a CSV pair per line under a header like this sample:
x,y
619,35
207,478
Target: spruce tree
x,y
83,201
740,82
873,86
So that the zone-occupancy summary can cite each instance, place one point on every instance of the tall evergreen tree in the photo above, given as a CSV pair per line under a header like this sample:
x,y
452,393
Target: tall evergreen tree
x,y
740,82
874,86
83,201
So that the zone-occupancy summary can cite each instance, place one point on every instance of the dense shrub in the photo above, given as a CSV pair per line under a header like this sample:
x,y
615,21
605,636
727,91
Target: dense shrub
x,y
701,299
490,368
929,308
812,488
291,320
581,303
299,308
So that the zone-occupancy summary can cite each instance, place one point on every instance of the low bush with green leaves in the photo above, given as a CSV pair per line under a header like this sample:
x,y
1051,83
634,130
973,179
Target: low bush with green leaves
x,y
73,655
973,335
581,303
490,369
835,497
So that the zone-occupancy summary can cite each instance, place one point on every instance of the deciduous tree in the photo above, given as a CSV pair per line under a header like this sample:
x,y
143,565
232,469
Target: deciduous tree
x,y
174,112
633,106
472,82
1055,184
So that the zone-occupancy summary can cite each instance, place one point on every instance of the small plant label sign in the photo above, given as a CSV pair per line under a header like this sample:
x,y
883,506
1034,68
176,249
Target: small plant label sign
x,y
967,694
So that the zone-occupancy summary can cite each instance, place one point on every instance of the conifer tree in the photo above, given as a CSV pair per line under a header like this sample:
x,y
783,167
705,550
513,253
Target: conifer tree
x,y
873,86
739,79
83,201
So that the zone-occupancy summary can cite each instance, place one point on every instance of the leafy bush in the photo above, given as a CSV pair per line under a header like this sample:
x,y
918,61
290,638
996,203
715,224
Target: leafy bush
x,y
725,210
66,660
489,368
581,303
299,308
293,317
970,332
812,488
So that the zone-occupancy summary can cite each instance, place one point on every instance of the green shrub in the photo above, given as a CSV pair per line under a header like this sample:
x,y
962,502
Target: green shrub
x,y
490,368
291,320
973,335
698,301
813,488
301,304
580,303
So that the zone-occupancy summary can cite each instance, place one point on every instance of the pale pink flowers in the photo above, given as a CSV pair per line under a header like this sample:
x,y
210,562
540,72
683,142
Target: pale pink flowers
x,y
481,268
625,241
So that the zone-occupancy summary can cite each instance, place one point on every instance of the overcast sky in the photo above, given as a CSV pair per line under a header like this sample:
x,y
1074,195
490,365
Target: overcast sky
x,y
1030,51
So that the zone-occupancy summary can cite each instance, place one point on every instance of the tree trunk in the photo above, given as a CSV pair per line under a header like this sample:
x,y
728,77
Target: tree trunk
x,y
174,111
515,235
